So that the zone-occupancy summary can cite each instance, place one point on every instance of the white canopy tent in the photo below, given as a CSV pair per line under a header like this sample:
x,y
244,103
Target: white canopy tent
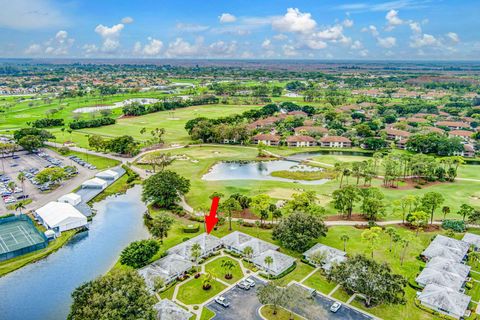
x,y
108,175
60,216
71,198
95,183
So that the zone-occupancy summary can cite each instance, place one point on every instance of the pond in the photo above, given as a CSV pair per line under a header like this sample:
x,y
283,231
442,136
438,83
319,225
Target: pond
x,y
258,170
42,290
121,104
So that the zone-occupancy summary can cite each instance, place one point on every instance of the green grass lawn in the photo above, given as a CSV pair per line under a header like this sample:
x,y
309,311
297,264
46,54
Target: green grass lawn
x,y
215,268
207,314
454,193
474,292
167,294
191,292
172,121
301,271
320,283
282,314
100,162
341,295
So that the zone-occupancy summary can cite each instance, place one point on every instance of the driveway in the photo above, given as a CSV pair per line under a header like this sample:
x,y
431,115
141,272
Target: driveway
x,y
243,304
320,310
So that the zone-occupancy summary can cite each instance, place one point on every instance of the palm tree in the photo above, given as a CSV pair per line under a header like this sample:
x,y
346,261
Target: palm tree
x,y
21,177
207,282
19,206
227,266
268,261
390,231
445,211
248,252
195,252
344,237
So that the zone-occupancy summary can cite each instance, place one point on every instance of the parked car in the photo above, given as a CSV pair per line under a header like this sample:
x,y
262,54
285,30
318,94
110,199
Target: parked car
x,y
23,196
250,282
221,300
243,285
335,307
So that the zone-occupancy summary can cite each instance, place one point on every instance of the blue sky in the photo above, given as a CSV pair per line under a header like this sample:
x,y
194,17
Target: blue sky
x,y
316,29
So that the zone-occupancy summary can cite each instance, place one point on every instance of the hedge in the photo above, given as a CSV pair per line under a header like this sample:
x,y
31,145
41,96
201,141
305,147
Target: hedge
x,y
47,123
281,275
94,123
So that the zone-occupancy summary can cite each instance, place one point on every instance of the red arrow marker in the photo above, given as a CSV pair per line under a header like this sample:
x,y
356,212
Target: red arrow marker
x,y
211,220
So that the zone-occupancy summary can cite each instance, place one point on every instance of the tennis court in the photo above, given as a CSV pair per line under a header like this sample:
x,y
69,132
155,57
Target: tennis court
x,y
19,237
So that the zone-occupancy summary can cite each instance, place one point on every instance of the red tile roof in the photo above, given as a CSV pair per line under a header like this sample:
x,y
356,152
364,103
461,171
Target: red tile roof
x,y
266,136
300,139
461,133
335,139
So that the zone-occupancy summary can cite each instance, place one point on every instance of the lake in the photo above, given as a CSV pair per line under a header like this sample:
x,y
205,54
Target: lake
x,y
42,290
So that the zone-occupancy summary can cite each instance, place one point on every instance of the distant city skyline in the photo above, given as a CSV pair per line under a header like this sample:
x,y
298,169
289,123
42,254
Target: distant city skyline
x,y
235,29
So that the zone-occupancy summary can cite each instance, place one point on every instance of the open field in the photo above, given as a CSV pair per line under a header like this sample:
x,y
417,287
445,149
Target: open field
x,y
454,193
172,121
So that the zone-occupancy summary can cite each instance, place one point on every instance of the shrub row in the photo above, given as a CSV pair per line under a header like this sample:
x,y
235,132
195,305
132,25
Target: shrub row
x,y
281,275
47,123
93,123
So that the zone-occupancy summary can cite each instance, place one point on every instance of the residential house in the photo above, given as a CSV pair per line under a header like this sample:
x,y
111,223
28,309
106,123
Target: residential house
x,y
394,134
237,242
169,310
310,130
465,135
467,152
298,113
266,139
280,262
168,269
335,142
453,125
208,245
445,300
301,141
449,266
472,239
330,256
446,247
440,277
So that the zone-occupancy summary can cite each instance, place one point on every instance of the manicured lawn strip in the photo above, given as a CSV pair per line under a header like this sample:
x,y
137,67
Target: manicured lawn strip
x,y
207,314
341,295
191,292
474,292
18,262
282,314
215,268
100,162
118,187
167,294
301,271
474,275
320,283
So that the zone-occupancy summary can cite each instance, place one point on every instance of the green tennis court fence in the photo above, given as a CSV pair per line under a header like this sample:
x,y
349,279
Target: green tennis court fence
x,y
43,243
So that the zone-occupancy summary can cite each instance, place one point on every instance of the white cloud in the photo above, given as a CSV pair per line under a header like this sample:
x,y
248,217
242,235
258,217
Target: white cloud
x,y
392,20
56,46
182,48
227,18
30,15
425,40
371,29
348,23
187,27
89,49
34,49
110,36
127,20
280,37
357,45
415,27
222,49
316,44
363,53
152,48
294,21
267,44
289,50
330,33
452,36
387,42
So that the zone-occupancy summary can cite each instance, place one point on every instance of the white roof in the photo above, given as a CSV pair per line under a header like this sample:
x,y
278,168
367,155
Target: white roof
x,y
443,278
447,265
332,255
95,182
446,247
472,239
70,197
240,241
58,213
169,310
443,298
281,261
107,173
206,241
165,268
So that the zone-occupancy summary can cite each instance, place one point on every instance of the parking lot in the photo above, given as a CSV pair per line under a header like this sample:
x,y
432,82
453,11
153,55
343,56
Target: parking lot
x,y
243,304
30,164
320,310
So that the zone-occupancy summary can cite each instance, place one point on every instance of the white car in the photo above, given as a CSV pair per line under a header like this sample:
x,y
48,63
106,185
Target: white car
x,y
222,301
335,307
250,282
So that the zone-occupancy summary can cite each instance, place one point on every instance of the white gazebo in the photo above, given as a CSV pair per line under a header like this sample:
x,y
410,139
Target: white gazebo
x,y
71,198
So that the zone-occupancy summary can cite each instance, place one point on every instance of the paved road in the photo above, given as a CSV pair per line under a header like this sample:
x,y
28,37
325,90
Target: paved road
x,y
243,304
